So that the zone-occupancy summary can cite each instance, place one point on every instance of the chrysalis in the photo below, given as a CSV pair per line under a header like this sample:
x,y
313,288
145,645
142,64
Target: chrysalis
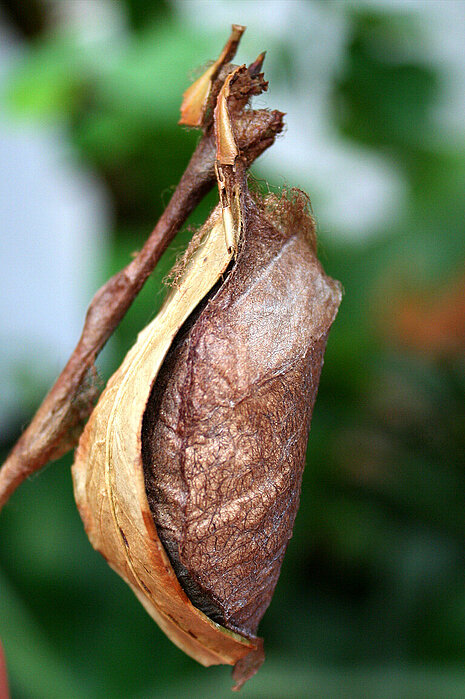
x,y
188,473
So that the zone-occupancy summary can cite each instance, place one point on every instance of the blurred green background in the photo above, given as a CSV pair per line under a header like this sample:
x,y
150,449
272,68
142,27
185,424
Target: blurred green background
x,y
371,599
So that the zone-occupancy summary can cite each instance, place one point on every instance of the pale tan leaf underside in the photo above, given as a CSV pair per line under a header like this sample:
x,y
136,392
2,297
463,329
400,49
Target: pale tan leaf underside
x,y
108,471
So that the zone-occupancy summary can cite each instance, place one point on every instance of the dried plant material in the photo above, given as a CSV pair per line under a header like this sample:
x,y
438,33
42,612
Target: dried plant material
x,y
188,473
59,421
226,150
196,97
108,474
226,427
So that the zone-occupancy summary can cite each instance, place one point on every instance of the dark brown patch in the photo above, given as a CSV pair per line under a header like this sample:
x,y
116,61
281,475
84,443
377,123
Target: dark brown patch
x,y
225,430
123,536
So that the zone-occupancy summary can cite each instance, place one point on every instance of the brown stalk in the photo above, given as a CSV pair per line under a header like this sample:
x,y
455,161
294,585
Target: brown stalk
x,y
59,421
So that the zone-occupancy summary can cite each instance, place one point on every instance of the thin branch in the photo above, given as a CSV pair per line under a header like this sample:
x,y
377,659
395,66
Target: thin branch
x,y
56,426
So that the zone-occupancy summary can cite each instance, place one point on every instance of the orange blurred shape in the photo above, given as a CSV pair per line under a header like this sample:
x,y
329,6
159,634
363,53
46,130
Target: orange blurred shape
x,y
432,325
4,693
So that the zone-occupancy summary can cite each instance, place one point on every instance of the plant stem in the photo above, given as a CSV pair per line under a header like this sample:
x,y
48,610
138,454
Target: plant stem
x,y
57,424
